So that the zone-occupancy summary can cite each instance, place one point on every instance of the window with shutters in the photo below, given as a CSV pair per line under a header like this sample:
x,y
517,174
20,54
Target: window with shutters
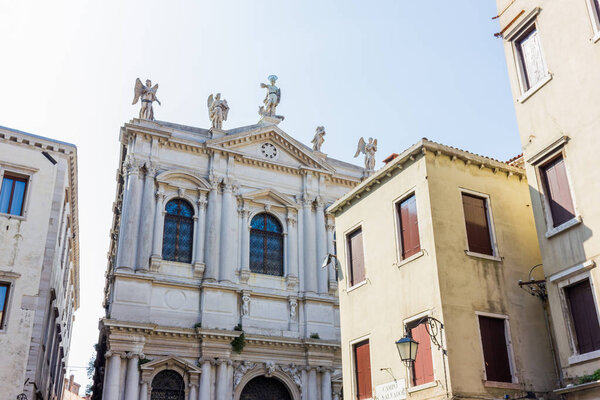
x,y
178,231
584,317
557,191
480,237
408,227
530,59
266,245
356,259
422,367
362,370
12,194
4,292
495,347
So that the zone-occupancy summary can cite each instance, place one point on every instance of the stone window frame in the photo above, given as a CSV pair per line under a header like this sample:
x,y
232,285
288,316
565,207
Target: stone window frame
x,y
281,218
397,230
9,278
353,380
492,226
21,171
406,322
349,287
594,13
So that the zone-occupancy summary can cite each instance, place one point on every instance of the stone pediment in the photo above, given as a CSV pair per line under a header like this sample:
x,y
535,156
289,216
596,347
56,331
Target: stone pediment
x,y
171,363
272,145
270,197
182,179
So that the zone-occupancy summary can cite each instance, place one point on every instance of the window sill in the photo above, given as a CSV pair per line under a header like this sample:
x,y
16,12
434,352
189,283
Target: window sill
x,y
356,286
409,259
579,358
502,385
484,256
563,227
424,386
531,91
12,216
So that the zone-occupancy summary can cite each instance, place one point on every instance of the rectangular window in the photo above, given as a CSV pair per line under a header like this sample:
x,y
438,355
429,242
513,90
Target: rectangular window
x,y
409,227
558,192
422,368
356,256
531,59
495,349
477,222
12,194
4,289
362,364
584,316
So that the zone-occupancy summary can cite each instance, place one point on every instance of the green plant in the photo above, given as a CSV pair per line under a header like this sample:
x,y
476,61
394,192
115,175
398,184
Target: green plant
x,y
238,327
143,361
198,325
590,378
239,343
315,336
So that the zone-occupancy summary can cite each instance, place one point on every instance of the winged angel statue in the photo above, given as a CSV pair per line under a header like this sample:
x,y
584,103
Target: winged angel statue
x,y
148,95
369,150
217,110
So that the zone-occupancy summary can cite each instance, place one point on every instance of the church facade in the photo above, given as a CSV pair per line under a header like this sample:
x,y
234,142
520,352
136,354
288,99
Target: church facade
x,y
214,287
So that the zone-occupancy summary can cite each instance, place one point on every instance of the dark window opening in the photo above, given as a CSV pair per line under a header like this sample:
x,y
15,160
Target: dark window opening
x,y
178,232
266,245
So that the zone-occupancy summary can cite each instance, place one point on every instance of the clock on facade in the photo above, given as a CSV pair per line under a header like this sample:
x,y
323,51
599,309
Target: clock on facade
x,y
268,150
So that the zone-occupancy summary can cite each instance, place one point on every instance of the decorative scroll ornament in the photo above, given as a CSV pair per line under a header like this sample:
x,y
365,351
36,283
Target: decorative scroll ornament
x,y
240,371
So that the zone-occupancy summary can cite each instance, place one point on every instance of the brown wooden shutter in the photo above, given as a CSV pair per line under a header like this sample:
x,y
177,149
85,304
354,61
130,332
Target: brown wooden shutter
x,y
409,227
495,350
584,315
423,365
476,219
362,360
357,260
558,192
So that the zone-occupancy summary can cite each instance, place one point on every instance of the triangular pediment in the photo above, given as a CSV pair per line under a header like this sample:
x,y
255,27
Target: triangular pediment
x,y
263,141
171,362
270,197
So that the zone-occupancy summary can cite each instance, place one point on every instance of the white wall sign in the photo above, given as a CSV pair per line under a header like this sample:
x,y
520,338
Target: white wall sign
x,y
391,390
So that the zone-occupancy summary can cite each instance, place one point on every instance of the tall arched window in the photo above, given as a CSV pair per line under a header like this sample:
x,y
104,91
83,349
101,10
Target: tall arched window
x,y
177,237
266,245
167,385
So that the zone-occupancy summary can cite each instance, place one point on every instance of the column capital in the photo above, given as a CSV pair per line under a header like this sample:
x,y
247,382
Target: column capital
x,y
319,202
160,194
202,202
291,219
131,354
151,169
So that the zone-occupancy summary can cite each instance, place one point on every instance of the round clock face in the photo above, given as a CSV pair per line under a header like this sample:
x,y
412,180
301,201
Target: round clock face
x,y
268,150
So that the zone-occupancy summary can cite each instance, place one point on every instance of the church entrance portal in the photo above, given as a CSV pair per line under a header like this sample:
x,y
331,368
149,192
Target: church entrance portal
x,y
167,385
263,388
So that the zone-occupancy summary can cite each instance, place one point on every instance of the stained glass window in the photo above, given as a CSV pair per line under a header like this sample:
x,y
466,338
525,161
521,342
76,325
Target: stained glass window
x,y
12,195
167,385
177,236
266,245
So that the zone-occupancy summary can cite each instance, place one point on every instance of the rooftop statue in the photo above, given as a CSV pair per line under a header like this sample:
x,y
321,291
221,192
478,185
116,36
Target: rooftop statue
x,y
369,150
148,95
272,98
217,110
319,138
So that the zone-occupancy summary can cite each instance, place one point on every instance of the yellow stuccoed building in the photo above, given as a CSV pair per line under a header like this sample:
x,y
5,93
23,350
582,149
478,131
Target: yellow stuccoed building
x,y
433,246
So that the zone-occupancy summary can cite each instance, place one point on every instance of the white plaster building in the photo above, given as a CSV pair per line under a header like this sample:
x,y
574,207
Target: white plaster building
x,y
39,262
214,229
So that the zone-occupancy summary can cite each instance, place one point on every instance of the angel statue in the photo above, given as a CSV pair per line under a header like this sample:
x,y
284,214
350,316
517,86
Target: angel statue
x,y
272,98
318,139
217,110
148,95
369,150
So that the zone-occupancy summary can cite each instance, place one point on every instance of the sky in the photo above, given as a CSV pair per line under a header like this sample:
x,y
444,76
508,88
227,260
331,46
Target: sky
x,y
394,70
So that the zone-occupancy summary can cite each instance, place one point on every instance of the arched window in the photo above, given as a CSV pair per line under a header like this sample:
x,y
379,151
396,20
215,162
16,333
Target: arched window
x,y
177,237
266,245
167,385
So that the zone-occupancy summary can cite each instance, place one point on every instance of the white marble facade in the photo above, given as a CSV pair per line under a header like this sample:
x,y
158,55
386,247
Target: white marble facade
x,y
180,316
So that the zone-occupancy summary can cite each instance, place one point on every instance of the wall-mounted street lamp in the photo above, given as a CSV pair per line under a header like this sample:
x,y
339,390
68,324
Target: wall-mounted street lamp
x,y
407,348
332,258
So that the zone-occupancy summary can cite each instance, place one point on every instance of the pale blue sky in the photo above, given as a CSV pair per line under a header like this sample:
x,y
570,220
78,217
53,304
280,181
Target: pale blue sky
x,y
394,70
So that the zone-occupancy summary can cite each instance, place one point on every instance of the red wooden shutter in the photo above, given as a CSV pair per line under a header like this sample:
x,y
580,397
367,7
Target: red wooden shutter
x,y
476,219
495,351
557,190
585,318
362,361
423,365
409,227
357,261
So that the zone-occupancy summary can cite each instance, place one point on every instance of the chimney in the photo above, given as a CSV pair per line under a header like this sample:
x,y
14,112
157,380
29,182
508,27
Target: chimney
x,y
390,158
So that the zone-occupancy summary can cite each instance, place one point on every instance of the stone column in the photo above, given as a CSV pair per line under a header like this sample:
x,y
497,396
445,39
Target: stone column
x,y
199,234
321,246
245,250
310,269
301,274
304,378
312,384
228,235
159,225
132,380
113,374
192,392
129,216
205,381
222,375
146,219
325,384
330,225
144,391
292,249
213,232
229,380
